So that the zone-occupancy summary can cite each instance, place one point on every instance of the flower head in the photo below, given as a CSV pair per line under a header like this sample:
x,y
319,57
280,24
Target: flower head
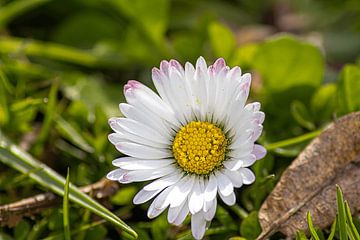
x,y
195,140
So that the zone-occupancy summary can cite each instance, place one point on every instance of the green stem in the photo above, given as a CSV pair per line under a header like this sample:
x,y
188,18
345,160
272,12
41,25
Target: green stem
x,y
292,141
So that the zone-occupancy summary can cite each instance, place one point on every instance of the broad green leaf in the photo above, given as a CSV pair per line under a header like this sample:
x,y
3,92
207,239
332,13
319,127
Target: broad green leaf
x,y
74,30
311,227
16,158
21,230
141,13
341,215
250,227
323,102
66,222
244,55
222,40
349,89
286,62
124,195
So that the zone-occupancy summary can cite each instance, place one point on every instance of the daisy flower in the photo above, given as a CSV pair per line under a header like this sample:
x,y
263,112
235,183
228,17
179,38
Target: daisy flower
x,y
193,140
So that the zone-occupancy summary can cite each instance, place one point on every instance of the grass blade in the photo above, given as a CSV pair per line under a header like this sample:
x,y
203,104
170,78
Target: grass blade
x,y
341,214
66,208
72,134
13,156
332,231
49,116
350,222
16,8
57,52
311,227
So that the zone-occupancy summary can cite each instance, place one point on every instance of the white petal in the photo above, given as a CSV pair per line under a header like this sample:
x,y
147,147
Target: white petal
x,y
130,163
211,188
234,163
182,214
235,177
209,215
146,175
143,196
259,151
141,151
229,200
164,182
198,225
174,212
224,184
181,190
139,95
140,129
146,117
159,204
242,151
196,199
247,175
116,174
125,136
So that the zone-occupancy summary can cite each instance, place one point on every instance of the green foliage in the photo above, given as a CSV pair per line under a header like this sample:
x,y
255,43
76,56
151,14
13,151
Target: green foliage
x,y
343,224
349,88
250,227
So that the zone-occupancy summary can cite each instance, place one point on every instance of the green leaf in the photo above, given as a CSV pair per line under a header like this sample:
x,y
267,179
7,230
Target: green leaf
x,y
341,217
311,227
72,134
244,55
4,109
21,230
323,102
349,89
9,45
352,228
332,230
141,13
49,117
16,158
124,195
301,236
286,62
302,115
16,8
250,227
74,30
222,40
66,222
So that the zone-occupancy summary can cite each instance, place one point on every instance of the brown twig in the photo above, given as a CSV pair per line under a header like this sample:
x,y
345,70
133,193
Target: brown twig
x,y
11,214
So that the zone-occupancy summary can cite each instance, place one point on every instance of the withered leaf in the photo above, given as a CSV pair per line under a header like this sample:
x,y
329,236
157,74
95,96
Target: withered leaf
x,y
308,184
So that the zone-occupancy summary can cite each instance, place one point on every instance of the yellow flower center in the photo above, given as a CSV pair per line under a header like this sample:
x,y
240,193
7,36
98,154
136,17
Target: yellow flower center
x,y
199,147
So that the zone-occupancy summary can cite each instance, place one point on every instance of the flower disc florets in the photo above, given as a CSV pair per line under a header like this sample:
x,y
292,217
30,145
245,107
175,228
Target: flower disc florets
x,y
199,147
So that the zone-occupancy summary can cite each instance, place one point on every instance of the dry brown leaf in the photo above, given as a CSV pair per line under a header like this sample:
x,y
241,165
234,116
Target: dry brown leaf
x,y
308,184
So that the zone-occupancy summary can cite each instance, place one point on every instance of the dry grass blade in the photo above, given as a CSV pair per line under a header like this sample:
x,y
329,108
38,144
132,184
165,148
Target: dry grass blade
x,y
309,182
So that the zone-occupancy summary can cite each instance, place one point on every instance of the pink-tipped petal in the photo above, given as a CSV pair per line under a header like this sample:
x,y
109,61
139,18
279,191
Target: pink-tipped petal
x,y
259,151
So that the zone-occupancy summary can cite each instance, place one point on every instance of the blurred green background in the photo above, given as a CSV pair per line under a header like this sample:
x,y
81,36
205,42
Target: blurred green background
x,y
63,65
